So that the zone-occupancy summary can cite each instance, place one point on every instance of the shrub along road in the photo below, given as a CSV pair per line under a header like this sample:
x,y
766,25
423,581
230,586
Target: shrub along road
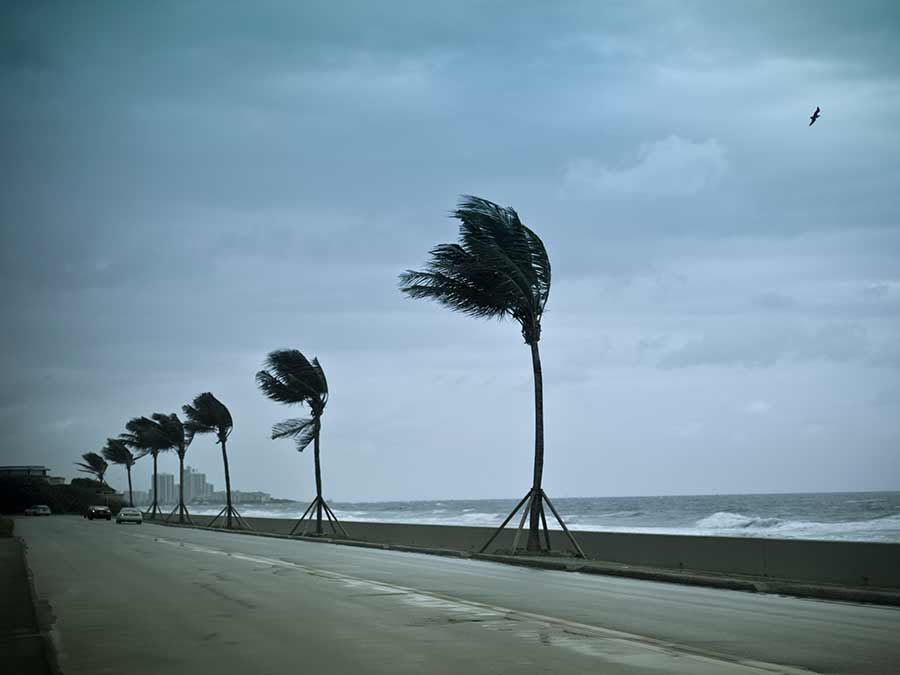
x,y
149,599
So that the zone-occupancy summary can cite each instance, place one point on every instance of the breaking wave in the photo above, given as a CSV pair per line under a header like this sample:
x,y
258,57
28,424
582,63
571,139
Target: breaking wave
x,y
723,522
843,516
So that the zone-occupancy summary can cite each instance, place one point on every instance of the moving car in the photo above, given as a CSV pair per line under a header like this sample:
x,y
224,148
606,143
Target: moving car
x,y
39,510
129,515
98,512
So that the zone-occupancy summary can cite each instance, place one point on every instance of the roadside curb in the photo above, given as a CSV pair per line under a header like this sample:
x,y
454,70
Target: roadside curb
x,y
747,584
24,631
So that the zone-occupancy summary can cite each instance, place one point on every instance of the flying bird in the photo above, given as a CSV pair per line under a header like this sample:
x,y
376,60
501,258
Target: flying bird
x,y
814,116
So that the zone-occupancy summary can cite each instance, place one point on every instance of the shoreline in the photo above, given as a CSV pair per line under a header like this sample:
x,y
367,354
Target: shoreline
x,y
881,528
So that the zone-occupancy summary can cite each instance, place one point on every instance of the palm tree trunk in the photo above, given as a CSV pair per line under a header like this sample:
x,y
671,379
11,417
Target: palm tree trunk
x,y
318,488
181,508
130,492
155,507
228,508
534,542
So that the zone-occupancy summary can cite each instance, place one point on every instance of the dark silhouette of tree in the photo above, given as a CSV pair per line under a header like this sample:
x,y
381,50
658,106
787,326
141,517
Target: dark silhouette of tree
x,y
208,415
116,452
143,434
498,269
290,378
93,464
172,430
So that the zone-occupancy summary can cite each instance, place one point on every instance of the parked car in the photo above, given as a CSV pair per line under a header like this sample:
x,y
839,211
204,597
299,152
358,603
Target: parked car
x,y
129,515
98,512
39,510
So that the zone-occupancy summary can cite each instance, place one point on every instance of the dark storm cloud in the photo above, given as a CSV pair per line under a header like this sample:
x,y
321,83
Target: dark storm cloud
x,y
189,185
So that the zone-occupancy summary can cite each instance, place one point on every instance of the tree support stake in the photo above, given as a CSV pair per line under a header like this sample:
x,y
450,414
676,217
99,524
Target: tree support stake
x,y
541,496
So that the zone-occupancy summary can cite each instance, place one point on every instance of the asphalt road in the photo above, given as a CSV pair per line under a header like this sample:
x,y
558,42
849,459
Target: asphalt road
x,y
152,599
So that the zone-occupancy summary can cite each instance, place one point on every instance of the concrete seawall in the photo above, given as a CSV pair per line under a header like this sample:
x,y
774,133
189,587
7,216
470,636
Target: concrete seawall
x,y
858,564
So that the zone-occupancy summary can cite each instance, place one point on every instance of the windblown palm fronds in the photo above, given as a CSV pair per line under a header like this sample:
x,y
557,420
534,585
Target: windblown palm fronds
x,y
93,464
144,435
498,269
302,429
116,452
207,415
171,429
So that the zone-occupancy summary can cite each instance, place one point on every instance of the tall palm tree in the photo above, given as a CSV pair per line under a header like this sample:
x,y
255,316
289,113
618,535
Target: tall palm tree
x,y
171,428
498,269
292,379
208,415
93,464
143,434
116,452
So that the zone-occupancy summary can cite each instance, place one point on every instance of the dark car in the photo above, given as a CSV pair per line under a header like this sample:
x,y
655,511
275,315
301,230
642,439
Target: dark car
x,y
98,512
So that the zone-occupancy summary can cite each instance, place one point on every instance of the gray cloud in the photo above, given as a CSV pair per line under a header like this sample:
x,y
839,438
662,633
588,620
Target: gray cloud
x,y
672,166
764,346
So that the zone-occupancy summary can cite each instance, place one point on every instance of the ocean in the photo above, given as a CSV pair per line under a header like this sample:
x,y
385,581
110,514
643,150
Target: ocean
x,y
847,516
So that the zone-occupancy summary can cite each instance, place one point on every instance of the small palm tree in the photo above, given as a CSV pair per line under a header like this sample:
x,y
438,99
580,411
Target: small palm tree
x,y
93,464
170,428
143,435
292,379
499,269
116,452
208,415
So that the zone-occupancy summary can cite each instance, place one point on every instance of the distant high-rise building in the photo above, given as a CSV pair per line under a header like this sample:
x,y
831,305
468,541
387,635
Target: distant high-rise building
x,y
194,485
167,491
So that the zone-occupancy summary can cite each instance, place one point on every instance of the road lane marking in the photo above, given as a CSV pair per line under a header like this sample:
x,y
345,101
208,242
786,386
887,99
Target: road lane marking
x,y
448,602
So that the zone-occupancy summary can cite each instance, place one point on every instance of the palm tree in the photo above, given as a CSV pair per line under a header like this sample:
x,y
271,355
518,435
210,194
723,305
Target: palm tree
x,y
172,430
93,464
292,379
143,435
208,415
116,452
498,269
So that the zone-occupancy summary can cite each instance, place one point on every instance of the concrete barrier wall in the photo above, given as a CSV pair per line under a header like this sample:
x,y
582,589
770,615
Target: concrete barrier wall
x,y
839,562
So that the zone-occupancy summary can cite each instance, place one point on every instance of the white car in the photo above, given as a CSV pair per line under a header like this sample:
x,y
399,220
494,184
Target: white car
x,y
39,510
130,515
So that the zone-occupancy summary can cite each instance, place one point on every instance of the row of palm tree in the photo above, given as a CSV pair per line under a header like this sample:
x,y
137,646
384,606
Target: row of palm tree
x,y
498,269
162,433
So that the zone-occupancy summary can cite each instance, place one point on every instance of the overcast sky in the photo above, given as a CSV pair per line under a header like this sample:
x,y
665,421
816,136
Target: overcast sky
x,y
187,186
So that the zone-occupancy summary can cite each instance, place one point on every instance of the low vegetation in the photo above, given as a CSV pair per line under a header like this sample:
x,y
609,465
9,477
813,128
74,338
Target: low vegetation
x,y
17,494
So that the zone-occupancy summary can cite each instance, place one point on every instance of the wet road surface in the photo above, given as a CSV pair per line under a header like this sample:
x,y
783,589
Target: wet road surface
x,y
153,599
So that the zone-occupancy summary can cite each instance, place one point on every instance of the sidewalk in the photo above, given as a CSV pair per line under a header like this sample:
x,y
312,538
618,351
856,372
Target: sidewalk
x,y
22,647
